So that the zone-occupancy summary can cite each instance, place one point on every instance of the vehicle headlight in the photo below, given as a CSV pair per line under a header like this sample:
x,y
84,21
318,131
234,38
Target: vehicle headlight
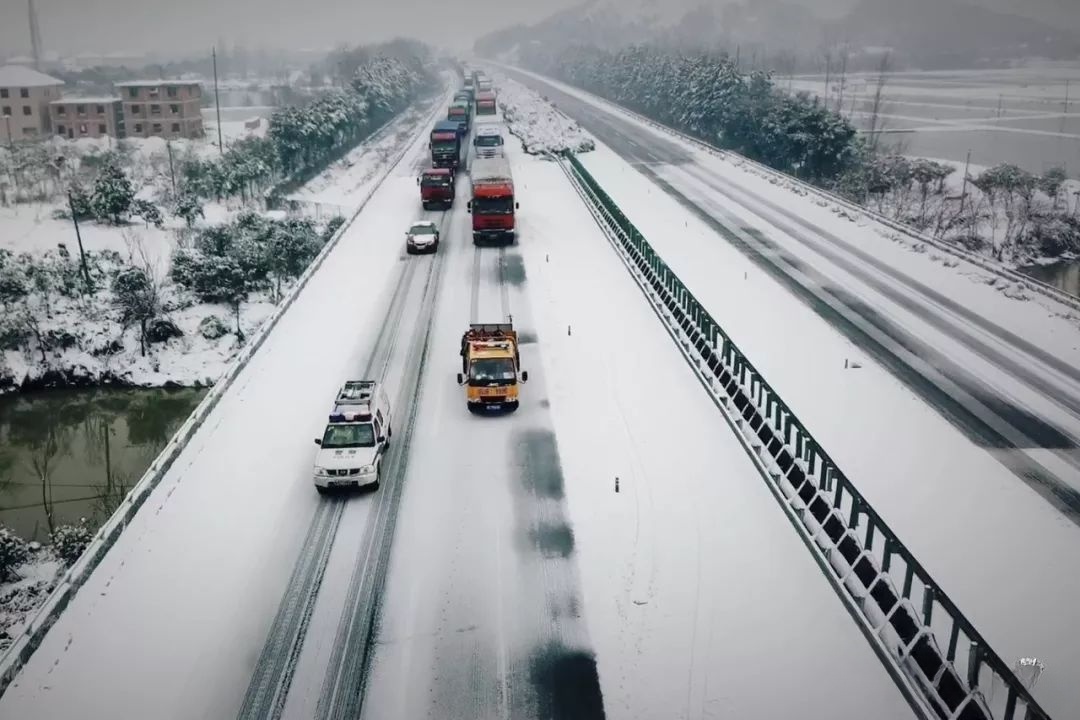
x,y
321,472
365,469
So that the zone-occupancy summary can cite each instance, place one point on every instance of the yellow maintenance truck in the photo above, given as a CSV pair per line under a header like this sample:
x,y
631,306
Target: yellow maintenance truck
x,y
491,367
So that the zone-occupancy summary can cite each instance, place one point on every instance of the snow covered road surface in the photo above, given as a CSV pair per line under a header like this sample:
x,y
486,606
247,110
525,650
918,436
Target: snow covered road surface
x,y
519,575
981,533
183,601
1004,370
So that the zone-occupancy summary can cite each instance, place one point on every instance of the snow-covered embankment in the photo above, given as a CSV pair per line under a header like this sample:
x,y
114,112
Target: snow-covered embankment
x,y
540,126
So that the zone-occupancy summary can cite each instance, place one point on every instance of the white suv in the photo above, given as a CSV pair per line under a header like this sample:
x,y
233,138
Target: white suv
x,y
355,441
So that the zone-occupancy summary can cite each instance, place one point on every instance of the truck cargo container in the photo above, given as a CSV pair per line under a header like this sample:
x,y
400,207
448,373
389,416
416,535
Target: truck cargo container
x,y
493,204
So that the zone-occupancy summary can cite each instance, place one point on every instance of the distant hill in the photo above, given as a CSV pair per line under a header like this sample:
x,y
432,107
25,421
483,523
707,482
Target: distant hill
x,y
923,33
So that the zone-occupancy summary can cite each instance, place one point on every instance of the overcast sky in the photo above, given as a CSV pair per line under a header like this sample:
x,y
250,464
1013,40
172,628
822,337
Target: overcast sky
x,y
191,26
74,26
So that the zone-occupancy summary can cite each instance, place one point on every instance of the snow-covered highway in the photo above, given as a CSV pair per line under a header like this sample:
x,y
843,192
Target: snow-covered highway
x,y
518,581
804,292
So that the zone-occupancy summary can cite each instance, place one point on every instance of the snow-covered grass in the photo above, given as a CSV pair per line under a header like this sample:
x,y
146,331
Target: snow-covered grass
x,y
20,597
540,126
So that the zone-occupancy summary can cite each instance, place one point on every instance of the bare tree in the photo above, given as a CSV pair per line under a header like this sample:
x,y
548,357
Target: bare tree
x,y
828,74
844,55
877,102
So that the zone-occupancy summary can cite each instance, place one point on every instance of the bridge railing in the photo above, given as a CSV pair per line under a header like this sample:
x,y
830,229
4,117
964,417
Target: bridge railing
x,y
940,661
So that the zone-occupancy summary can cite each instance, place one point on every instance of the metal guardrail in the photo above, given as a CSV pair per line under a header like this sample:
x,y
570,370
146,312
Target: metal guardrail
x,y
991,266
901,608
17,655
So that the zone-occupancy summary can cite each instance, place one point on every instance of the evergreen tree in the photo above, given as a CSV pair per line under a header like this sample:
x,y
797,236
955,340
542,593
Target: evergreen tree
x,y
113,195
188,207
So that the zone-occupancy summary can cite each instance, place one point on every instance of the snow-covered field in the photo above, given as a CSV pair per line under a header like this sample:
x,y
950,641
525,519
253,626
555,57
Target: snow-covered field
x,y
520,581
99,348
540,126
1019,116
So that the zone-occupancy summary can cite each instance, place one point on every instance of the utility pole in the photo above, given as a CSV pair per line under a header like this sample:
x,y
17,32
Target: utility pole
x,y
172,172
10,137
963,190
78,236
217,105
11,149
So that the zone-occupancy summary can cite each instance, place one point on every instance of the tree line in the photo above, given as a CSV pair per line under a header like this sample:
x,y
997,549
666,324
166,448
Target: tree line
x,y
1004,211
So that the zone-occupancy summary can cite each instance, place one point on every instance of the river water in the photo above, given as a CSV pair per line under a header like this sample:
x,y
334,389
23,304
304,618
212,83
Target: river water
x,y
66,455
1063,275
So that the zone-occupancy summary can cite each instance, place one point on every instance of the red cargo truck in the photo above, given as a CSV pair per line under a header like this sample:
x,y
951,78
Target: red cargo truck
x,y
437,188
492,205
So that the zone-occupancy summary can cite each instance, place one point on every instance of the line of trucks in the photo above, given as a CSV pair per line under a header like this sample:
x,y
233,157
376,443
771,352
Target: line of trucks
x,y
356,439
492,203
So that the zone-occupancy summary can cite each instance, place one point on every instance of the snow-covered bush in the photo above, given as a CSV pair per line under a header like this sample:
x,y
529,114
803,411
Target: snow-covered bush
x,y
541,128
148,211
332,226
161,330
212,327
137,297
14,551
70,541
188,207
13,283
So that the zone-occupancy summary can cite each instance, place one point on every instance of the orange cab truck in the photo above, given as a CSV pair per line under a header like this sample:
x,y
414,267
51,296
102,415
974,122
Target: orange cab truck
x,y
492,205
491,367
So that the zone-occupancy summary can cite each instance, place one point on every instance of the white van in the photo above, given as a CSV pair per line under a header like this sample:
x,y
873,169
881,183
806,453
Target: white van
x,y
354,443
488,142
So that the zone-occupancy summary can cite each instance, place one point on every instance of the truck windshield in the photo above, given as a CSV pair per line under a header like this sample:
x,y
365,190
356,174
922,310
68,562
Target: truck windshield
x,y
352,435
488,140
488,370
437,181
493,206
444,146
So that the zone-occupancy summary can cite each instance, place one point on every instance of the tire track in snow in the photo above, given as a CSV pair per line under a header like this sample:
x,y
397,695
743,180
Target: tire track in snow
x,y
343,688
272,677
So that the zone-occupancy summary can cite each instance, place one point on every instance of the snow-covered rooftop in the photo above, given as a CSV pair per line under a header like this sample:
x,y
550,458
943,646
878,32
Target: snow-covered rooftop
x,y
22,76
85,100
156,83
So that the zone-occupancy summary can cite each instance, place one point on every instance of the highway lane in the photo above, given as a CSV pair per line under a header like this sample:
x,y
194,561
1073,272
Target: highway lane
x,y
1004,392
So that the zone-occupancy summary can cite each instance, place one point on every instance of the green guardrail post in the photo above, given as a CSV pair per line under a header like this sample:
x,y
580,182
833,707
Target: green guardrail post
x,y
928,604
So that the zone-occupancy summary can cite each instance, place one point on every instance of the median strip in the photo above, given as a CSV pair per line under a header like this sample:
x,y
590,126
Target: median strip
x,y
898,606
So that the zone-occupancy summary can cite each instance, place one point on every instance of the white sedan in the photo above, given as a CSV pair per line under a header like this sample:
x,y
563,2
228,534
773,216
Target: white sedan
x,y
421,237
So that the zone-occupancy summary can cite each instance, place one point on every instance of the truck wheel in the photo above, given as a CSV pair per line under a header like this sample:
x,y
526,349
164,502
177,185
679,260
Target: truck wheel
x,y
378,478
322,490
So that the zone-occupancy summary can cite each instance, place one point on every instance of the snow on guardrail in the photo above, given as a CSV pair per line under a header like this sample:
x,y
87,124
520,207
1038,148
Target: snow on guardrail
x,y
35,629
